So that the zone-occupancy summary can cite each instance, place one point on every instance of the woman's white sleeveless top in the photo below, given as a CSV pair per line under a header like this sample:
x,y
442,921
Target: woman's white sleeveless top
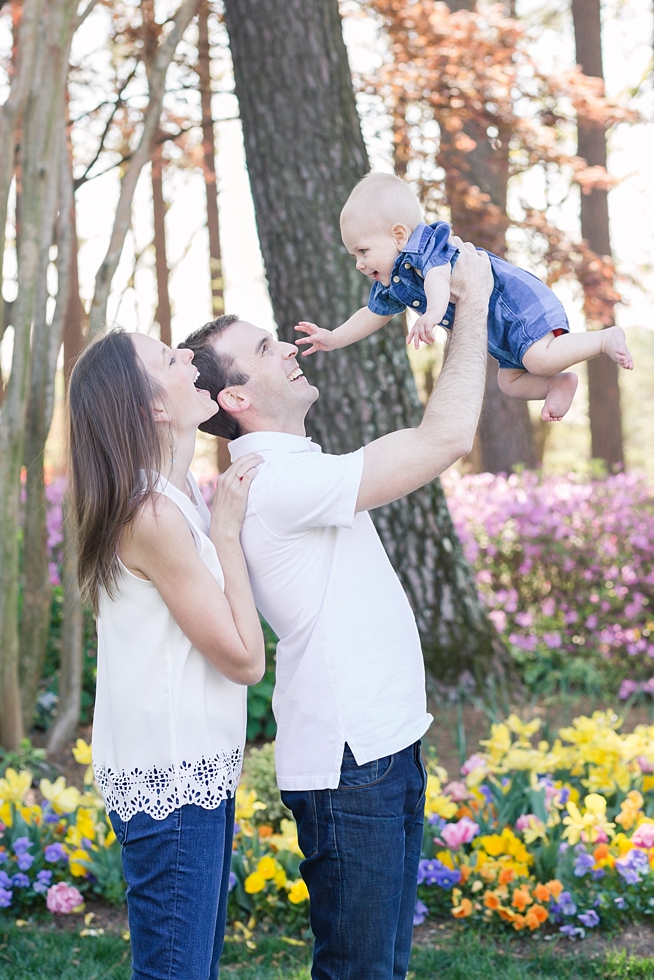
x,y
168,728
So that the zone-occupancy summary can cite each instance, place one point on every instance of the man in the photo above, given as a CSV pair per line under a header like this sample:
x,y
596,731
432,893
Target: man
x,y
350,697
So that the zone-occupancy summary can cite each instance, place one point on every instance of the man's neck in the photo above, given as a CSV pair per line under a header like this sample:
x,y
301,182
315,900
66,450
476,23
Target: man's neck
x,y
276,425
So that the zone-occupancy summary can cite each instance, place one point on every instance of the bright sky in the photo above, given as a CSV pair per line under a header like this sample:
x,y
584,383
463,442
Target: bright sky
x,y
627,50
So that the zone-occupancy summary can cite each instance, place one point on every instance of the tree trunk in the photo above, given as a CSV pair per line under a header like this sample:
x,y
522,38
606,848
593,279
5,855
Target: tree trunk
x,y
41,153
46,342
209,157
71,660
304,153
162,314
603,387
505,436
140,156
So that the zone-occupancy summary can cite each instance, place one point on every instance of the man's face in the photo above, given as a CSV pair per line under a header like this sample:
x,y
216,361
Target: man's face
x,y
277,390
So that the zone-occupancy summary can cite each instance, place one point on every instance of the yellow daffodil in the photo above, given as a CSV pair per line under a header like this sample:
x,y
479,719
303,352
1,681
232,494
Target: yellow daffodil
x,y
85,821
254,883
631,809
590,824
298,892
14,785
267,867
287,839
77,869
247,803
523,729
498,744
82,753
436,802
6,814
64,799
31,814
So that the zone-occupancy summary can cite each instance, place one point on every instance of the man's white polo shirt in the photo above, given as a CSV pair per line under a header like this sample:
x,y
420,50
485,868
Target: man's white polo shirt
x,y
349,663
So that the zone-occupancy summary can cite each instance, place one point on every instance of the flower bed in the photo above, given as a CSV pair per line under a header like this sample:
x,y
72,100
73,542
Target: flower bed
x,y
565,565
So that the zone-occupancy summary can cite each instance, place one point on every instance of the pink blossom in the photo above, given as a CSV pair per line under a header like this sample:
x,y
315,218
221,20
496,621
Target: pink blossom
x,y
63,898
458,791
474,762
645,764
524,822
456,834
643,836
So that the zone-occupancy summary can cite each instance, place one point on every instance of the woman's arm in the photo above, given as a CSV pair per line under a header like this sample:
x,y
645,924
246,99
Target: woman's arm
x,y
224,626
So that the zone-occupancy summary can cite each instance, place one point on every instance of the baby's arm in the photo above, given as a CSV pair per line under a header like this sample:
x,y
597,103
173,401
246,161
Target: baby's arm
x,y
437,291
361,324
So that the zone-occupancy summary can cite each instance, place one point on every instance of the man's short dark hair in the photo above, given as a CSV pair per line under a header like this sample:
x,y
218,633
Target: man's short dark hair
x,y
216,372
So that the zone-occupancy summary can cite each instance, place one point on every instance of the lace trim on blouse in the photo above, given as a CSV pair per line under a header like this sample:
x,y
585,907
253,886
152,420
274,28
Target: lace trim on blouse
x,y
158,792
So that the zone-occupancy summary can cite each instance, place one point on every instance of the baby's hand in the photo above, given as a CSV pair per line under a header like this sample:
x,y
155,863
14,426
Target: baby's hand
x,y
319,338
423,328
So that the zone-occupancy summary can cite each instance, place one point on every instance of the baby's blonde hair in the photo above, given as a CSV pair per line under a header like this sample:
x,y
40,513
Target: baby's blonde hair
x,y
383,201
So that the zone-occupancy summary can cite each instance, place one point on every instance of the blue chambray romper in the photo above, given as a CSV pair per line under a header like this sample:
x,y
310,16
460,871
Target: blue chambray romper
x,y
521,309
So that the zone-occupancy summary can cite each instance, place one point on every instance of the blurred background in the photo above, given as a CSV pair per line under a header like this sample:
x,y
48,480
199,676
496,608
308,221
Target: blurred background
x,y
165,162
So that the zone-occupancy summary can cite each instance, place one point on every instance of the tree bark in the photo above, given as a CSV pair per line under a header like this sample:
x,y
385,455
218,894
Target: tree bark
x,y
209,157
603,387
304,153
162,314
140,156
505,436
40,158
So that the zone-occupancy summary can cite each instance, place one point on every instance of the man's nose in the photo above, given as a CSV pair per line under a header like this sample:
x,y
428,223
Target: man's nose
x,y
187,354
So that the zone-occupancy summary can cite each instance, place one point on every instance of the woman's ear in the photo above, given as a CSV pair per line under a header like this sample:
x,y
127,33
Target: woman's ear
x,y
160,414
233,400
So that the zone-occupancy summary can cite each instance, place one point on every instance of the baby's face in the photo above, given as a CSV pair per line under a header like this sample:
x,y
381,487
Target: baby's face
x,y
375,252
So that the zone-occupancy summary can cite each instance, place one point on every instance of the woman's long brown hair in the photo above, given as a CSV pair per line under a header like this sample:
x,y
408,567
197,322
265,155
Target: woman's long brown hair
x,y
114,454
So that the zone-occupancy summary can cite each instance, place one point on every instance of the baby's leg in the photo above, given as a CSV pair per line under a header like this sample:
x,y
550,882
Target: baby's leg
x,y
558,391
550,354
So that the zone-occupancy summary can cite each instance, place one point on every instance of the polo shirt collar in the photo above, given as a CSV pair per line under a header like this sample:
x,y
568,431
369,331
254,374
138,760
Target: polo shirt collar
x,y
414,243
254,442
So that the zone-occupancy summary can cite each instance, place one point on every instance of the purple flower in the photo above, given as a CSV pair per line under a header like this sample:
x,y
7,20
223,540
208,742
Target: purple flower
x,y
488,793
620,902
51,818
597,874
446,878
40,887
232,880
5,898
3,856
22,845
420,914
434,872
436,822
589,919
20,880
45,876
25,861
566,905
572,931
628,874
583,863
5,880
55,852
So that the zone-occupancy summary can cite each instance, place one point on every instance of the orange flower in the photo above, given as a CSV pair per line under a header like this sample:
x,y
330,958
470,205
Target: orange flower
x,y
265,830
506,876
521,899
465,871
601,852
555,888
542,893
491,901
536,916
519,922
463,910
464,811
507,914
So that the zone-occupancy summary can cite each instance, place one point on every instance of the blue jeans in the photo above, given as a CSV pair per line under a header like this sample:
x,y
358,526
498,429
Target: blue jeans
x,y
362,847
177,874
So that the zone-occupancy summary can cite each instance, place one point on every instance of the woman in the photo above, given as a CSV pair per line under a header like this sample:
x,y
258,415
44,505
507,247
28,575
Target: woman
x,y
178,641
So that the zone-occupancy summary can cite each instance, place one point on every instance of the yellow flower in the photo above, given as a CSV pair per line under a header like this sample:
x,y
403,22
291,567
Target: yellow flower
x,y
435,802
73,836
82,753
298,892
498,744
280,878
31,814
14,786
6,814
255,883
79,870
267,867
493,844
247,803
287,839
591,823
85,820
630,809
524,729
64,799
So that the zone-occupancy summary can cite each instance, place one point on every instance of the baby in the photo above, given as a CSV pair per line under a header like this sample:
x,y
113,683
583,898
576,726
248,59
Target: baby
x,y
411,263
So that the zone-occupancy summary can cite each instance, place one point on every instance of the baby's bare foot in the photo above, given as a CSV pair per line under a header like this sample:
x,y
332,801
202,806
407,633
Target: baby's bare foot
x,y
616,347
560,392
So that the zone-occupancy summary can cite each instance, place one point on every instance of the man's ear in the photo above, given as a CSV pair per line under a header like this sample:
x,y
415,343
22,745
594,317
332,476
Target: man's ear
x,y
401,236
160,414
233,400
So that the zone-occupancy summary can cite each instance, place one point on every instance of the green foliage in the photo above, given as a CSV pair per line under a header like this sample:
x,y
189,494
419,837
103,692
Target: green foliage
x,y
261,721
259,775
25,757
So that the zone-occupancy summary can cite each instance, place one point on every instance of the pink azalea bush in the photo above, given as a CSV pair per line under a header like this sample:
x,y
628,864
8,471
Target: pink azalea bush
x,y
566,568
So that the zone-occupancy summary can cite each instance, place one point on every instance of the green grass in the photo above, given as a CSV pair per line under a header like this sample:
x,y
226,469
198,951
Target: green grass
x,y
34,953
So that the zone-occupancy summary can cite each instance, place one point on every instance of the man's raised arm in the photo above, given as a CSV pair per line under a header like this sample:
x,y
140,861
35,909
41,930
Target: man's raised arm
x,y
400,462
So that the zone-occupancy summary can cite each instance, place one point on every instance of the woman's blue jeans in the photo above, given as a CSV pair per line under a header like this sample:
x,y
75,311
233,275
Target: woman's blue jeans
x,y
177,874
362,847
